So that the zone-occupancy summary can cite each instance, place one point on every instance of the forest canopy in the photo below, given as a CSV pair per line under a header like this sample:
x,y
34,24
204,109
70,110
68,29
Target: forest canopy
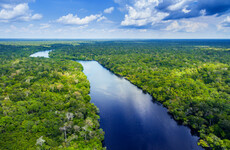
x,y
189,77
44,103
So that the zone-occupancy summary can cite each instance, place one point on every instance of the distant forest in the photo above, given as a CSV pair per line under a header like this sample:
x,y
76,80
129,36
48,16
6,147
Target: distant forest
x,y
44,103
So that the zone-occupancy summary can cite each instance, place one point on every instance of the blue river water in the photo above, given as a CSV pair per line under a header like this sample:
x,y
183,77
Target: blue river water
x,y
129,117
41,54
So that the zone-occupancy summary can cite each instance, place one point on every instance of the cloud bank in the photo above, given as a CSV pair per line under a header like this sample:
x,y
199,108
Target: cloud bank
x,y
150,13
143,13
19,12
186,26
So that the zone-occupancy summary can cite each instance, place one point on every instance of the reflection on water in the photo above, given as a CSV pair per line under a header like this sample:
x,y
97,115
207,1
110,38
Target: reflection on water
x,y
41,54
130,119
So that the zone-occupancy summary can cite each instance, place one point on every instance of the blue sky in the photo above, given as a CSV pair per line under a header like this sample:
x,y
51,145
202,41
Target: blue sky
x,y
102,19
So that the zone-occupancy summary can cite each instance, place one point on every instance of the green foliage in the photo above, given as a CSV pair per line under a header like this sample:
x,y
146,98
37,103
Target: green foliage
x,y
44,103
191,80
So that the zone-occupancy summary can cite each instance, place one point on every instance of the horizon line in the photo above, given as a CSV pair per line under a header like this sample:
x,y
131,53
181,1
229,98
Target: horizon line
x,y
1,39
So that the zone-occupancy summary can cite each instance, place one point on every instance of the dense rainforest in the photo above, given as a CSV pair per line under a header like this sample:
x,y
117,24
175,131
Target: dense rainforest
x,y
189,77
44,103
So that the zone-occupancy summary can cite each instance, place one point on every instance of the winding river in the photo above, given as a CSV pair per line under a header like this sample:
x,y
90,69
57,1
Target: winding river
x,y
129,117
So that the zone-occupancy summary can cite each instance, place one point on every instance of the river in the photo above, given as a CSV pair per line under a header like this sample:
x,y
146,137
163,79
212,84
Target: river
x,y
129,117
41,54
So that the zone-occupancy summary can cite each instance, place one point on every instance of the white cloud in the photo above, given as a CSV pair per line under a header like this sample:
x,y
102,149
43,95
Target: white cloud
x,y
10,12
174,26
185,10
70,19
44,26
186,26
203,12
178,5
30,17
109,10
20,12
225,24
143,13
36,17
6,6
101,18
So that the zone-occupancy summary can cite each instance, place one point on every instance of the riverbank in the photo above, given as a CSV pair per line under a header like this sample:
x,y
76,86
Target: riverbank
x,y
190,80
45,104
